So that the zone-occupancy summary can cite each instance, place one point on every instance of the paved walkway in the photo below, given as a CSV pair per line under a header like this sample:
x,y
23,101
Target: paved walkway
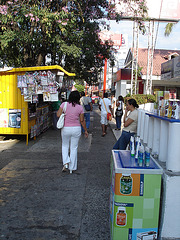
x,y
39,202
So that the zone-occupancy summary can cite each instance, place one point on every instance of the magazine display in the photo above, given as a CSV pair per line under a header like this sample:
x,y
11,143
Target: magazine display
x,y
32,84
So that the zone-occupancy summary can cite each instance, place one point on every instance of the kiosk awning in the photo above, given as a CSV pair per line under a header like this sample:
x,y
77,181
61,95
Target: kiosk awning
x,y
40,68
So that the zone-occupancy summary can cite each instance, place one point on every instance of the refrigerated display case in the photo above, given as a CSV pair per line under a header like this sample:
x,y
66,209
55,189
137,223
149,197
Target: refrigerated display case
x,y
134,197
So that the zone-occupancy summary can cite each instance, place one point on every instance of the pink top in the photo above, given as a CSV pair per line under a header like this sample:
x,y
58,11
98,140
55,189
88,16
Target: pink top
x,y
72,115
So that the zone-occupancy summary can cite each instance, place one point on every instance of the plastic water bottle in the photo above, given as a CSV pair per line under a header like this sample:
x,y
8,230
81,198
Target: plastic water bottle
x,y
141,155
132,150
131,141
147,156
137,147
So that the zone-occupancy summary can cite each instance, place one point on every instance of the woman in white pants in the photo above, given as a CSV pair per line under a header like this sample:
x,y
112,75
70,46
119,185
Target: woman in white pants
x,y
71,132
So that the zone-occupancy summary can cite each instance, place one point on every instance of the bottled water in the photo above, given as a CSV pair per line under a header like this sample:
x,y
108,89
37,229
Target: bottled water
x,y
137,147
141,155
132,150
147,156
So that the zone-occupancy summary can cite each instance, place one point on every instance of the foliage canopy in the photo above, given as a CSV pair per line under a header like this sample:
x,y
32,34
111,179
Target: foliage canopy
x,y
63,32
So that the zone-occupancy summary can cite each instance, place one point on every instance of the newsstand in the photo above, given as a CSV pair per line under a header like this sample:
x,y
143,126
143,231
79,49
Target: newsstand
x,y
25,94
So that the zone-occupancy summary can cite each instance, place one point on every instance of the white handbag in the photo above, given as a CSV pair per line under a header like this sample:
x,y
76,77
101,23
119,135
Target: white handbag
x,y
60,122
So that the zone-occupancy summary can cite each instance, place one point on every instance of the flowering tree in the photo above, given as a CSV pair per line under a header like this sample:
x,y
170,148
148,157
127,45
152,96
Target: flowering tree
x,y
32,29
65,30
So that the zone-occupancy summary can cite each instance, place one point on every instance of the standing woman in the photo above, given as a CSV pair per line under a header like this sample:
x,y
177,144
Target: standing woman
x,y
119,112
71,132
130,125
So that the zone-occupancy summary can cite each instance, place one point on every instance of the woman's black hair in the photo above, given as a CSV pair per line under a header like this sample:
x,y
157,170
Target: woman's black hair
x,y
120,98
133,102
82,94
105,95
74,98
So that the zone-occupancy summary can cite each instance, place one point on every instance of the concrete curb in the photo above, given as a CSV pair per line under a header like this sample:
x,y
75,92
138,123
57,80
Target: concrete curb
x,y
117,133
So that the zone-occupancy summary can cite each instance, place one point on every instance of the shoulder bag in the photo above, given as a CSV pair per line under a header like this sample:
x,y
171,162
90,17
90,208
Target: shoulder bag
x,y
87,107
60,122
109,116
119,112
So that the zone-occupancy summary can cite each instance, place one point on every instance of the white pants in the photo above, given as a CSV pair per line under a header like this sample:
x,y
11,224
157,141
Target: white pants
x,y
70,138
104,118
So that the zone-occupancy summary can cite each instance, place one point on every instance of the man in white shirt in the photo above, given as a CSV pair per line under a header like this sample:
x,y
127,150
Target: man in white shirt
x,y
105,107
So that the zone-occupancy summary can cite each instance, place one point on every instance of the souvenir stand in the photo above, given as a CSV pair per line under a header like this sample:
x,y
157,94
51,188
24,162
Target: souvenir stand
x,y
25,94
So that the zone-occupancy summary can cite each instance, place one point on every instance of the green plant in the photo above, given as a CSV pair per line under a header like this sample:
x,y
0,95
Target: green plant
x,y
151,98
141,98
79,87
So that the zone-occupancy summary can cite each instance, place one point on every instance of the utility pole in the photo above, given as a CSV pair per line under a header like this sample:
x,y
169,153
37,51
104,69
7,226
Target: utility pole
x,y
152,55
134,58
150,61
132,64
147,74
137,46
105,75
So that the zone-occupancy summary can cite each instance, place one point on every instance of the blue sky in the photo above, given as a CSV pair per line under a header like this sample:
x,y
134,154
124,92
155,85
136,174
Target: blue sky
x,y
171,43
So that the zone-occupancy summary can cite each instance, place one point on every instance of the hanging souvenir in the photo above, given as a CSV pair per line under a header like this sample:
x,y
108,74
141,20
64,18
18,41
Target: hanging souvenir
x,y
44,78
54,97
24,83
46,97
34,98
19,81
39,89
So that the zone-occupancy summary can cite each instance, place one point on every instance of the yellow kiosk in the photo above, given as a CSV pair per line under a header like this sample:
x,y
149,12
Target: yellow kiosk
x,y
15,117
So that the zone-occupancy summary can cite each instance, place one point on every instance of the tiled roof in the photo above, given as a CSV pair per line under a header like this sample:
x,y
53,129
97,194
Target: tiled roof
x,y
160,56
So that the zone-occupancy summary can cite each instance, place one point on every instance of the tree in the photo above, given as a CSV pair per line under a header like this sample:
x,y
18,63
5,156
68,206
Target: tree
x,y
65,30
169,28
30,30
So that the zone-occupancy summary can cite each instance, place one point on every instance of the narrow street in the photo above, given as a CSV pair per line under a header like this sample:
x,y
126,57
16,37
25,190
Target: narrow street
x,y
39,202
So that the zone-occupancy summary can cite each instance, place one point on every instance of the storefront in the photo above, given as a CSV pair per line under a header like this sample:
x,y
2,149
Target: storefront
x,y
170,77
123,82
25,94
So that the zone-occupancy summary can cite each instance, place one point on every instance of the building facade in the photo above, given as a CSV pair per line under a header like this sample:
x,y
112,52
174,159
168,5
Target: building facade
x,y
123,84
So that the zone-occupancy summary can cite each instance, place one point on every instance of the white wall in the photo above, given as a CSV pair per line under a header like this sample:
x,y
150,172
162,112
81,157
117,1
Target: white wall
x,y
122,88
147,106
170,214
157,135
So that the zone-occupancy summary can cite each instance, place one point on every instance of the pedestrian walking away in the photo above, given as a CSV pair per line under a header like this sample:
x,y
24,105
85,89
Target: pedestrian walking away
x,y
104,104
119,112
113,104
130,120
86,103
55,107
71,132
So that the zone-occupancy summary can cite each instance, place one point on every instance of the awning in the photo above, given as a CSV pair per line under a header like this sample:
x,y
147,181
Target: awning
x,y
123,74
40,68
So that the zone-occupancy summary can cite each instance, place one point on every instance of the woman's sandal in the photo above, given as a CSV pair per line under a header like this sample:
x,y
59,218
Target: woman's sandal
x,y
65,168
